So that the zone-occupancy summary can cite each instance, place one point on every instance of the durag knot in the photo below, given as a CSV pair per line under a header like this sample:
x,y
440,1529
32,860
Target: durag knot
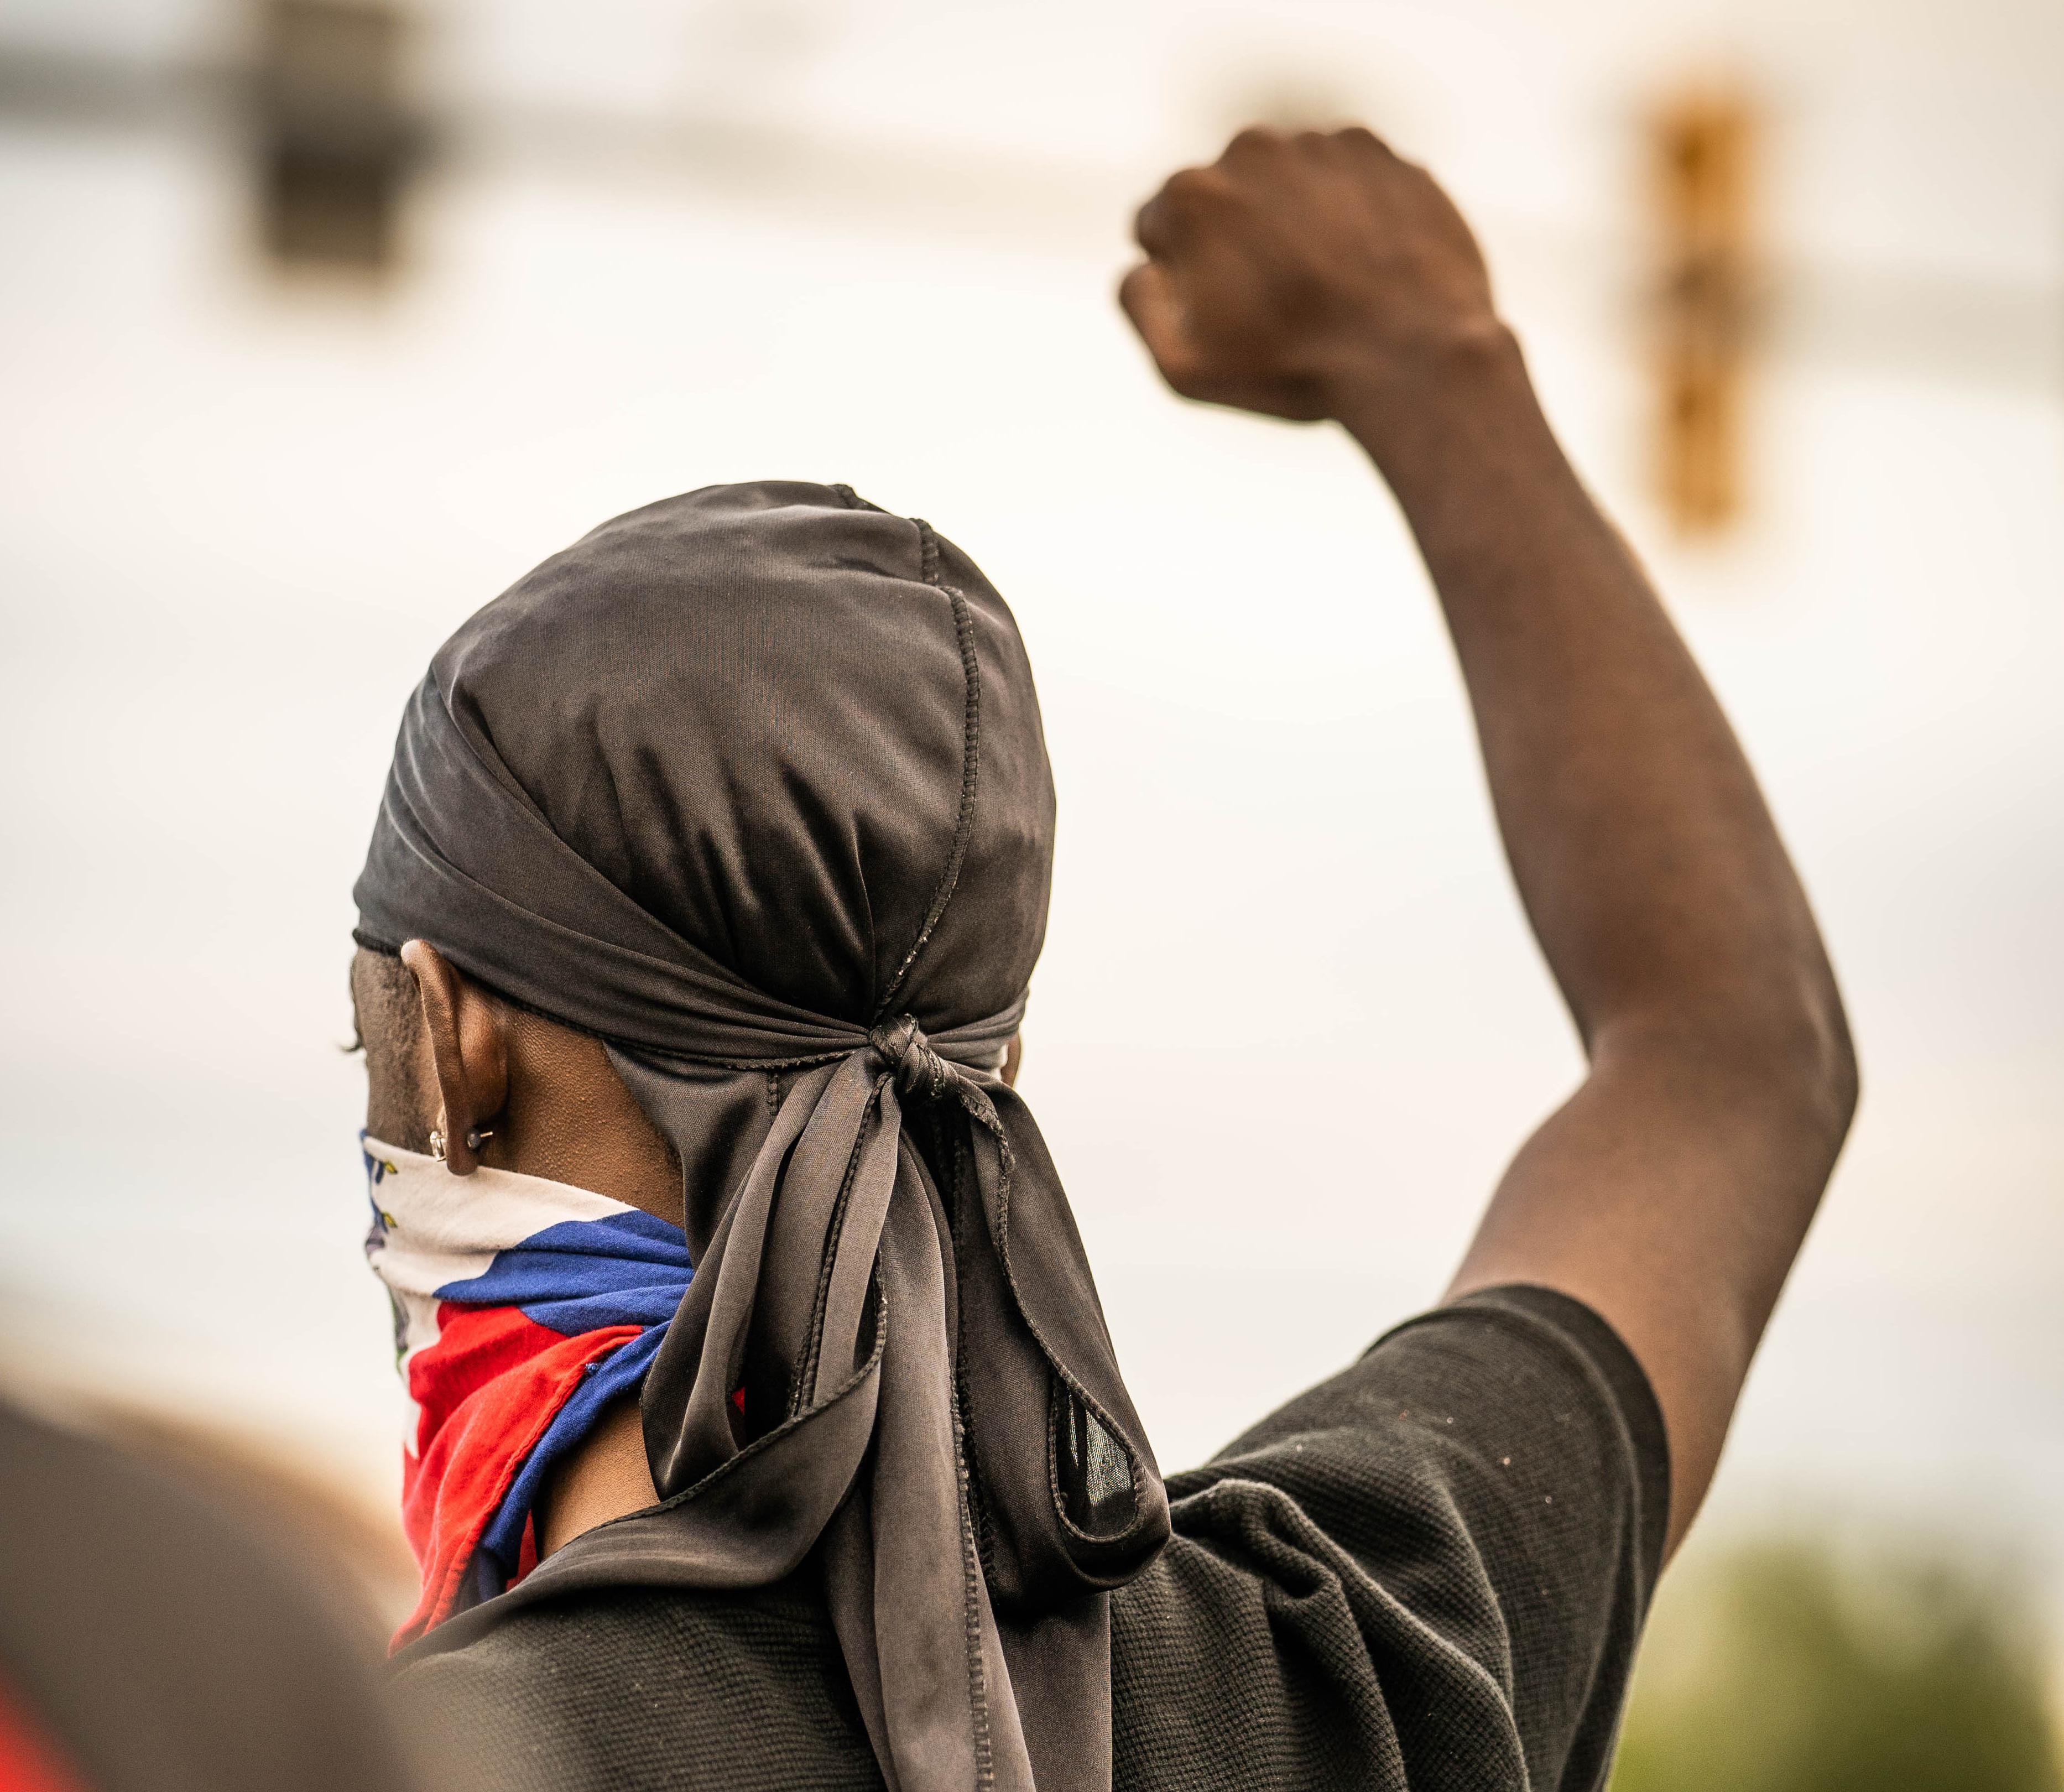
x,y
921,1073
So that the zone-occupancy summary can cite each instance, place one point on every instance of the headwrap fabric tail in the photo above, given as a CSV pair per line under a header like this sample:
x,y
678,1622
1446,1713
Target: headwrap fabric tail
x,y
839,1201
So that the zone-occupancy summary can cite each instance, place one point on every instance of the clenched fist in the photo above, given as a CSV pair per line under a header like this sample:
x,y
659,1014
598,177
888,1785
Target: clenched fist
x,y
1304,275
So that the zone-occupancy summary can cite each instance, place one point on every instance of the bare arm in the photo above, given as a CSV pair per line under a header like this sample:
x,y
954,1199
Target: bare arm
x,y
1315,276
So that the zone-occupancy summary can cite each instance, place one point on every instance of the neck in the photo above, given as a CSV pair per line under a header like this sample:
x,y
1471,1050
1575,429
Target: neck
x,y
569,1119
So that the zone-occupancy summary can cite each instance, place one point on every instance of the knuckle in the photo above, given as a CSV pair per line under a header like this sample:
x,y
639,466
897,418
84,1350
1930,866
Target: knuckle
x,y
1160,219
1188,194
1255,140
1138,294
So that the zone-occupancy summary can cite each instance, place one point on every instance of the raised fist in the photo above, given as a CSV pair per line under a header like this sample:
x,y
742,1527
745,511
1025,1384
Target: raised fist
x,y
1302,276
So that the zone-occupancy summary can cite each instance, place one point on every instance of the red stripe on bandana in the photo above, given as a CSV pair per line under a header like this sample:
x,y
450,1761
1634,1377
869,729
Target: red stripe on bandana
x,y
489,1387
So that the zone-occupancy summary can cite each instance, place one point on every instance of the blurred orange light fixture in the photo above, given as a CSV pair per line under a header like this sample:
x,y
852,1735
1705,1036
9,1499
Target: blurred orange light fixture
x,y
1701,155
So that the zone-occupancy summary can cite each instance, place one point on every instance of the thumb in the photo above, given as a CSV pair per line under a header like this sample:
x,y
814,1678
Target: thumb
x,y
1147,296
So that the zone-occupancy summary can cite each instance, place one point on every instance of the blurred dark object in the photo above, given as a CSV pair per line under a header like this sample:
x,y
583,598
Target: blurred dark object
x,y
29,1762
1702,146
155,1636
342,1542
335,142
1789,1668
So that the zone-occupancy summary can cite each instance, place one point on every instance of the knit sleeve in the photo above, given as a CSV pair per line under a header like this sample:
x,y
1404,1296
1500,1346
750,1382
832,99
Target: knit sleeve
x,y
1430,1572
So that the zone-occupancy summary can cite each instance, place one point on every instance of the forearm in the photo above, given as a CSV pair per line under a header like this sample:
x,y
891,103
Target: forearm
x,y
1671,1192
1648,864
1313,276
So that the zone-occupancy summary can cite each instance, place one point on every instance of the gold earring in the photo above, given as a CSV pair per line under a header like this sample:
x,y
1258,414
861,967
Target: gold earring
x,y
437,1145
475,1140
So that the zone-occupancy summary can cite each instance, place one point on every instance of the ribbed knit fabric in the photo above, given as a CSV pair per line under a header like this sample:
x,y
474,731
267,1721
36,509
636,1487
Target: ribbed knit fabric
x,y
1429,1572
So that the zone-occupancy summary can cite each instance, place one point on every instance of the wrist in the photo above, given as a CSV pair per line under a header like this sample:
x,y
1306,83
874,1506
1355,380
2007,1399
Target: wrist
x,y
1396,404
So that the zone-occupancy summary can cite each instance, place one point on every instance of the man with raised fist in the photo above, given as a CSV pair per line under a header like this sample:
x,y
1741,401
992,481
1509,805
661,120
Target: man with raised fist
x,y
769,1433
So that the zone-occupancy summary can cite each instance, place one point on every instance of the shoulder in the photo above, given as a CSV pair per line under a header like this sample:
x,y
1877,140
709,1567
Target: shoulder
x,y
1437,1559
641,1687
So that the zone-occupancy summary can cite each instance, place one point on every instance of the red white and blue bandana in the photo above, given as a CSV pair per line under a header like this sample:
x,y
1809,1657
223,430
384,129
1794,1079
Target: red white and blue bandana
x,y
522,1309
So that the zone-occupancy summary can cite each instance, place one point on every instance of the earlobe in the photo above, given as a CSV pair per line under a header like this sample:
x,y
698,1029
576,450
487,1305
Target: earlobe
x,y
467,1050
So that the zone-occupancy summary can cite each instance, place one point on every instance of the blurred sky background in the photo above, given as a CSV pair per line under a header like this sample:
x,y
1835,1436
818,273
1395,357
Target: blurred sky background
x,y
1289,1014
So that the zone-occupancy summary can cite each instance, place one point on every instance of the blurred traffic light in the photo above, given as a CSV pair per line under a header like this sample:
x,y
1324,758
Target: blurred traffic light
x,y
1701,156
335,141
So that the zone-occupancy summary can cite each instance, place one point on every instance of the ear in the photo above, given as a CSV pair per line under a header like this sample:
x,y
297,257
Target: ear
x,y
469,1046
1013,1056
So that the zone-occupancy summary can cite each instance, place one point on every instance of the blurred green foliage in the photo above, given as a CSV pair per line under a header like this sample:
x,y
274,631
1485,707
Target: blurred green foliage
x,y
1795,1666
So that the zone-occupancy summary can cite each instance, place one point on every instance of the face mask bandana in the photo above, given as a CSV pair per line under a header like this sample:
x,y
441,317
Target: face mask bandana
x,y
522,1309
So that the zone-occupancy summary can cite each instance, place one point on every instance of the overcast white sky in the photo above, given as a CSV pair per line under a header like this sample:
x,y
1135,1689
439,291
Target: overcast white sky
x,y
235,521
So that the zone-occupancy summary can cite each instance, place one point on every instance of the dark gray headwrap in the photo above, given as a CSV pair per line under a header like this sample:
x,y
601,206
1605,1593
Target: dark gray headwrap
x,y
751,784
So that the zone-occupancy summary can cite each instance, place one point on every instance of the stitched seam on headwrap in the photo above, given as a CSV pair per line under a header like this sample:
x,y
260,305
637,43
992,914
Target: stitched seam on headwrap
x,y
971,1594
973,1541
983,1112
805,1372
967,1198
853,500
970,757
806,1061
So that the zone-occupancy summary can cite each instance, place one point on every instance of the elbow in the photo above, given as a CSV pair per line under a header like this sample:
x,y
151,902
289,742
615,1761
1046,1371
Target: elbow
x,y
1847,1083
1797,1052
1831,1082
1775,1053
